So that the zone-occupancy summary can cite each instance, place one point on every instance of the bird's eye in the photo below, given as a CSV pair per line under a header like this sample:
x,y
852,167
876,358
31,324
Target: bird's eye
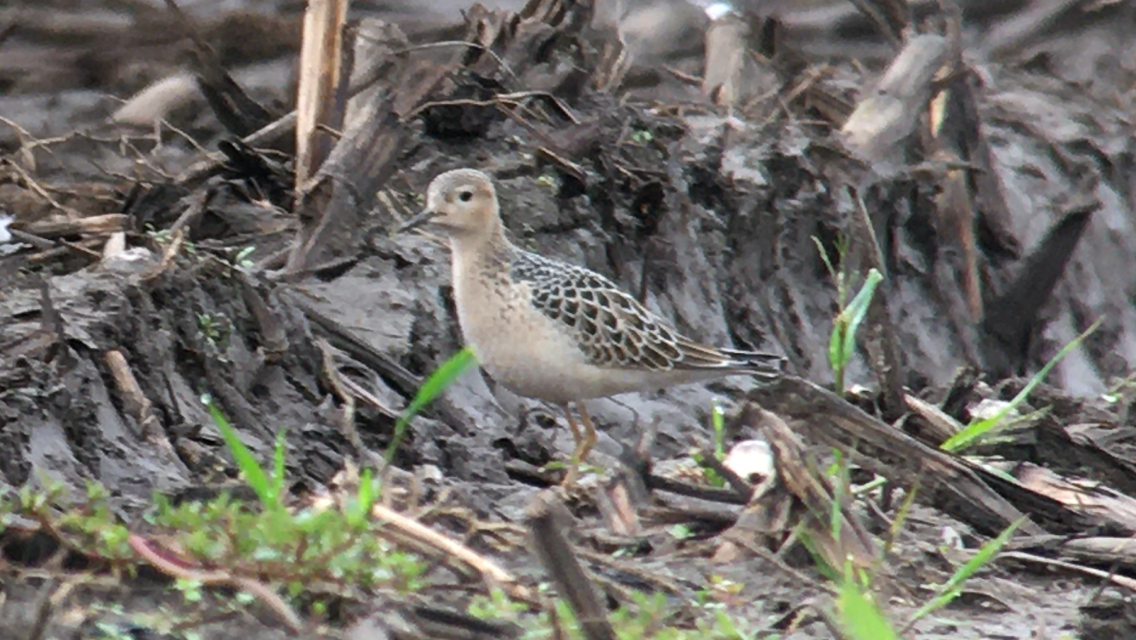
x,y
465,196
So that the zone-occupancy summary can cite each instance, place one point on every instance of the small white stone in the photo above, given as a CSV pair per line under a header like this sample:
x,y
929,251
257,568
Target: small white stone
x,y
134,260
988,408
7,247
751,460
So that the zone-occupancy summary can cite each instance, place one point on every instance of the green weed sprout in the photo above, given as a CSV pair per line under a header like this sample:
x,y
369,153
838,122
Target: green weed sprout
x,y
718,424
859,614
953,587
269,487
857,610
842,340
431,388
979,430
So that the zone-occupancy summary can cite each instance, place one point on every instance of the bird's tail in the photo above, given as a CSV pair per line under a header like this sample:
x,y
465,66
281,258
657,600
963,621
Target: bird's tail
x,y
767,366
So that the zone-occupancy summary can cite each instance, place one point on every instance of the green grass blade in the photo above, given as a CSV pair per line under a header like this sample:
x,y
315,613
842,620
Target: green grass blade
x,y
900,519
824,257
358,512
977,430
982,557
718,423
860,617
995,431
836,346
279,452
855,313
246,462
431,388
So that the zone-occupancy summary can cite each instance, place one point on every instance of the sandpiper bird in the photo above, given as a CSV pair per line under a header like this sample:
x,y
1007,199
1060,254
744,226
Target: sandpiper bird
x,y
553,331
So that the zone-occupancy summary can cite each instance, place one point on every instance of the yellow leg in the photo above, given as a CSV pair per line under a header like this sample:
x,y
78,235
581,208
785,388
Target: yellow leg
x,y
584,442
572,425
589,440
574,463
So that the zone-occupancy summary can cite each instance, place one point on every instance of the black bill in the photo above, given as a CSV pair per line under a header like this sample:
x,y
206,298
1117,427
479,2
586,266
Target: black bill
x,y
415,222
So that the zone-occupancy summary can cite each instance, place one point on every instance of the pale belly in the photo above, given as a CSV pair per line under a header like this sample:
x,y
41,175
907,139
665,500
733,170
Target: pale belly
x,y
533,359
560,381
532,356
534,362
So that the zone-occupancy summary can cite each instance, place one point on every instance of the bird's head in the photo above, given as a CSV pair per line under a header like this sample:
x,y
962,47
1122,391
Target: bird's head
x,y
460,204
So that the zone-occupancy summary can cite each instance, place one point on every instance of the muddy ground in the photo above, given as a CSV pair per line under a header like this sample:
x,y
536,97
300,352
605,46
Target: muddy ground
x,y
1001,204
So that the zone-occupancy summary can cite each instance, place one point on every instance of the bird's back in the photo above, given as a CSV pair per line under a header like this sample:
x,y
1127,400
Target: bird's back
x,y
613,330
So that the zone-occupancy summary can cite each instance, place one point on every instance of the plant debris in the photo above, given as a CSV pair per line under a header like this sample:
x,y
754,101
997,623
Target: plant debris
x,y
743,171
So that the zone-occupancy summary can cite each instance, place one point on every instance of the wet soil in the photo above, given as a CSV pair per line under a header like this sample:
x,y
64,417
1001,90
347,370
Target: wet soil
x,y
711,216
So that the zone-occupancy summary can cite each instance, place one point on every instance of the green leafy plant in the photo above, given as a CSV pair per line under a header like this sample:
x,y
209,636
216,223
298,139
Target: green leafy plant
x,y
718,426
296,549
243,258
842,340
432,387
859,614
953,587
208,327
681,531
547,180
269,487
303,546
982,430
190,589
359,509
88,525
857,610
642,136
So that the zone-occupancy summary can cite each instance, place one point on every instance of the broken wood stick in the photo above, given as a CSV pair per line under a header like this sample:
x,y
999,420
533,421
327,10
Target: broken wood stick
x,y
318,106
546,516
239,113
334,201
725,59
101,225
887,115
817,502
946,482
133,399
490,571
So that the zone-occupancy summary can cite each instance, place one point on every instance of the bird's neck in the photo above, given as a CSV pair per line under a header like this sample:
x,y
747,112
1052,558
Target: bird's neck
x,y
480,264
489,251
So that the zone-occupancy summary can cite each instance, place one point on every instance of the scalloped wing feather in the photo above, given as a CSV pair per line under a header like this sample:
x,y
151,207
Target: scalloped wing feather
x,y
615,331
